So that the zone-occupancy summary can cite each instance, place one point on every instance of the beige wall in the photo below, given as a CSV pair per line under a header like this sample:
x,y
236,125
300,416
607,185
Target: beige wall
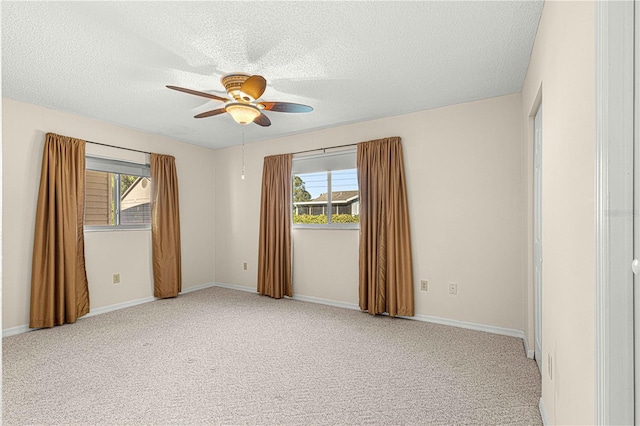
x,y
562,70
125,252
464,177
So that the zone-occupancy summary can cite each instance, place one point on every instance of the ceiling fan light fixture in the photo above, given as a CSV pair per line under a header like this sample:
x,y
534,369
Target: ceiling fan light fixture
x,y
244,90
242,113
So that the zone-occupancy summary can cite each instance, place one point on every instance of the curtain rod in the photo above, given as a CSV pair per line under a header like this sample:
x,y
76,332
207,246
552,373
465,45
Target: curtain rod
x,y
298,152
119,147
325,149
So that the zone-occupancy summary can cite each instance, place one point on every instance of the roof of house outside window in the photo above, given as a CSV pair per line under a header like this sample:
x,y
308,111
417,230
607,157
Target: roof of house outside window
x,y
138,193
337,197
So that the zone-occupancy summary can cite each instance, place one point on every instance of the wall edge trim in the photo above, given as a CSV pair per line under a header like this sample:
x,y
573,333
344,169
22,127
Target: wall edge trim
x,y
543,412
512,332
198,287
345,305
330,302
424,318
529,352
235,287
19,329
117,306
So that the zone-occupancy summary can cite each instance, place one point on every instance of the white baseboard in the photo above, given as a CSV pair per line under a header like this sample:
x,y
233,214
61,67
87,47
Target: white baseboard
x,y
311,299
529,352
336,303
444,321
16,330
24,328
236,287
470,325
117,306
345,305
197,287
543,412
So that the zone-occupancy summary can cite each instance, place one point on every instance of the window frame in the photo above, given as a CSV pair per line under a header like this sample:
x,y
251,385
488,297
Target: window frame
x,y
330,224
117,168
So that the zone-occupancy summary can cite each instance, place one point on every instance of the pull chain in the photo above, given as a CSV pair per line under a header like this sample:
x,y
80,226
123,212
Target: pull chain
x,y
243,155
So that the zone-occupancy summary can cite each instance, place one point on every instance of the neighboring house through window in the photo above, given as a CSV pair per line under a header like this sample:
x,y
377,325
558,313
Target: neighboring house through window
x,y
117,194
325,190
342,202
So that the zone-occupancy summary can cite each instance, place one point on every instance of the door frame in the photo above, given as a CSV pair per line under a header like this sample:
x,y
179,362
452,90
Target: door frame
x,y
537,225
614,357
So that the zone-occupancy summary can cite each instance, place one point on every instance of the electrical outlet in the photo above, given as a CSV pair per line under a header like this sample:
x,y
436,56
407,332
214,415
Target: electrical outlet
x,y
116,278
453,288
550,366
424,285
244,266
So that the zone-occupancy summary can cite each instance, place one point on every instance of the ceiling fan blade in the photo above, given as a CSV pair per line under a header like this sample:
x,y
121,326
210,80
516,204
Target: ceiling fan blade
x,y
286,107
195,92
254,86
210,113
262,120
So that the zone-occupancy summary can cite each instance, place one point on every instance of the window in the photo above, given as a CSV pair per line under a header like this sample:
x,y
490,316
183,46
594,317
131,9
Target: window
x,y
325,191
117,194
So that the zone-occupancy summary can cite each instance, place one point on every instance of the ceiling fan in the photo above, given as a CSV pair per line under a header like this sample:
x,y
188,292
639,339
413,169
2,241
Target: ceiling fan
x,y
244,90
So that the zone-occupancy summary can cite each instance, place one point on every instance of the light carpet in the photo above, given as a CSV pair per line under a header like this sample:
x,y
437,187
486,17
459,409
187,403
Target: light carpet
x,y
220,356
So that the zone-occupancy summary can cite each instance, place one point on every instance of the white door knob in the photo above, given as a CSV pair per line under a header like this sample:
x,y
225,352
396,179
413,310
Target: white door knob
x,y
635,266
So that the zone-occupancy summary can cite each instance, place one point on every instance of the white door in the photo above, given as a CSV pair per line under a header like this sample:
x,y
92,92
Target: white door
x,y
636,268
636,251
636,278
636,219
537,235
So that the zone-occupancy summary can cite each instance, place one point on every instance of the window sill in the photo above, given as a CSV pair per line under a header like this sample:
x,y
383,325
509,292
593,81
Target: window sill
x,y
333,227
116,228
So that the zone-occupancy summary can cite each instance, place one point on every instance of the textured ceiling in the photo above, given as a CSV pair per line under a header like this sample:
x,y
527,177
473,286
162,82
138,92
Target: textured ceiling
x,y
351,61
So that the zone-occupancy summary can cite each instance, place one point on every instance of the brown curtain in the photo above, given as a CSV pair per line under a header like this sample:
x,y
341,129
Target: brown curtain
x,y
59,287
165,227
386,277
274,250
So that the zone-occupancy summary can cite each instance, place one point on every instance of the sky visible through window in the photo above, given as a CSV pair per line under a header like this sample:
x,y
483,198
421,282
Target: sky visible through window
x,y
342,180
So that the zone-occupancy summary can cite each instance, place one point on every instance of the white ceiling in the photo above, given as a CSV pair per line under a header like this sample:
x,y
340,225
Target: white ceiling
x,y
351,61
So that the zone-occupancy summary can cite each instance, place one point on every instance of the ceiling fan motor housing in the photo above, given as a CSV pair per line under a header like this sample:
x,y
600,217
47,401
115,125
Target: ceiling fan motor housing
x,y
232,83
